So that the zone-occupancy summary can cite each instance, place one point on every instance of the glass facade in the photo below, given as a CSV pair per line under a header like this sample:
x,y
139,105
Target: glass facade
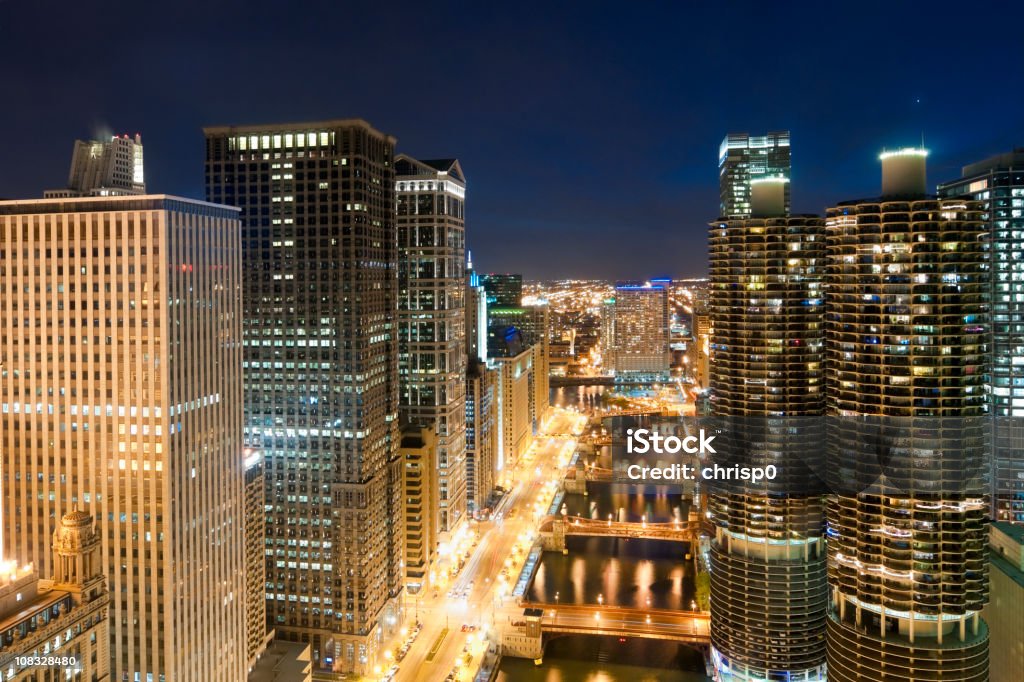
x,y
742,158
998,183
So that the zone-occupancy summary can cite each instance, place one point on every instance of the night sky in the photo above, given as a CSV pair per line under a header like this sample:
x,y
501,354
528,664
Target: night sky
x,y
588,131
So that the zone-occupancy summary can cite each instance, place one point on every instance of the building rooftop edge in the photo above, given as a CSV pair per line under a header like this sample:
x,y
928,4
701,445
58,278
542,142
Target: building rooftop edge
x,y
119,198
297,125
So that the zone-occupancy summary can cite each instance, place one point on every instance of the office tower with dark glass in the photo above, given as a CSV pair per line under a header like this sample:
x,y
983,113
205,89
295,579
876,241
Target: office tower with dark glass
x,y
121,355
320,254
905,335
768,581
998,182
743,158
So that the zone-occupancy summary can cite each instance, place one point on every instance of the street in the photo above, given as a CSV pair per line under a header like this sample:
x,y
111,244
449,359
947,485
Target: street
x,y
503,543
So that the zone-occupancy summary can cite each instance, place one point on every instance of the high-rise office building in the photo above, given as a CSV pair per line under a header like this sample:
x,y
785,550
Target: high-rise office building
x,y
905,335
121,394
641,328
64,618
503,291
768,584
743,158
110,167
998,182
320,254
256,635
481,432
432,321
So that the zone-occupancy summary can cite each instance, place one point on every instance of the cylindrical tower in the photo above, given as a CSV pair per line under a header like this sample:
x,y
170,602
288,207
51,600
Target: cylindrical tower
x,y
905,335
768,584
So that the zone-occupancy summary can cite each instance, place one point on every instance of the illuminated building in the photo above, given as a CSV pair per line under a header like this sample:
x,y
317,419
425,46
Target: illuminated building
x,y
699,349
420,479
104,168
515,330
641,329
608,334
432,321
998,182
476,315
121,353
743,158
122,344
515,418
768,579
320,253
905,337
62,621
481,432
503,291
256,635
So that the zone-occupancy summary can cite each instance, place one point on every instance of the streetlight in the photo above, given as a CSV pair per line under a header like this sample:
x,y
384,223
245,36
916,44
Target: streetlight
x,y
556,598
600,600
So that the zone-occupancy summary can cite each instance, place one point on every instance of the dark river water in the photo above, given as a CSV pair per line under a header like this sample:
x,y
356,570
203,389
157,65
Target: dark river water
x,y
625,573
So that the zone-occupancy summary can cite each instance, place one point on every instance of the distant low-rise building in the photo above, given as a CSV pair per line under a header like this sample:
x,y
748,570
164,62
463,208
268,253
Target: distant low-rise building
x,y
57,629
1005,611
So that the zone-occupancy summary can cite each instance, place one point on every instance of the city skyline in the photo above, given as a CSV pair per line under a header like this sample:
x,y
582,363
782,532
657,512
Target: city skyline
x,y
639,78
333,386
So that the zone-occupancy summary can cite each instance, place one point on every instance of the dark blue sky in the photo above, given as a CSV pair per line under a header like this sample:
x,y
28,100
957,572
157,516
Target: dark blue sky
x,y
589,131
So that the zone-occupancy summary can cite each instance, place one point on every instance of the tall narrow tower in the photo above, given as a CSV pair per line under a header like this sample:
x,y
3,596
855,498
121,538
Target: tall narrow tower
x,y
768,586
906,332
432,323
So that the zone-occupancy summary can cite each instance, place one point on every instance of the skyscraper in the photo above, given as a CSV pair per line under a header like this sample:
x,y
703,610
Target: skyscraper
x,y
320,254
742,158
905,334
503,291
768,586
481,432
104,168
255,563
121,395
998,182
432,322
641,328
